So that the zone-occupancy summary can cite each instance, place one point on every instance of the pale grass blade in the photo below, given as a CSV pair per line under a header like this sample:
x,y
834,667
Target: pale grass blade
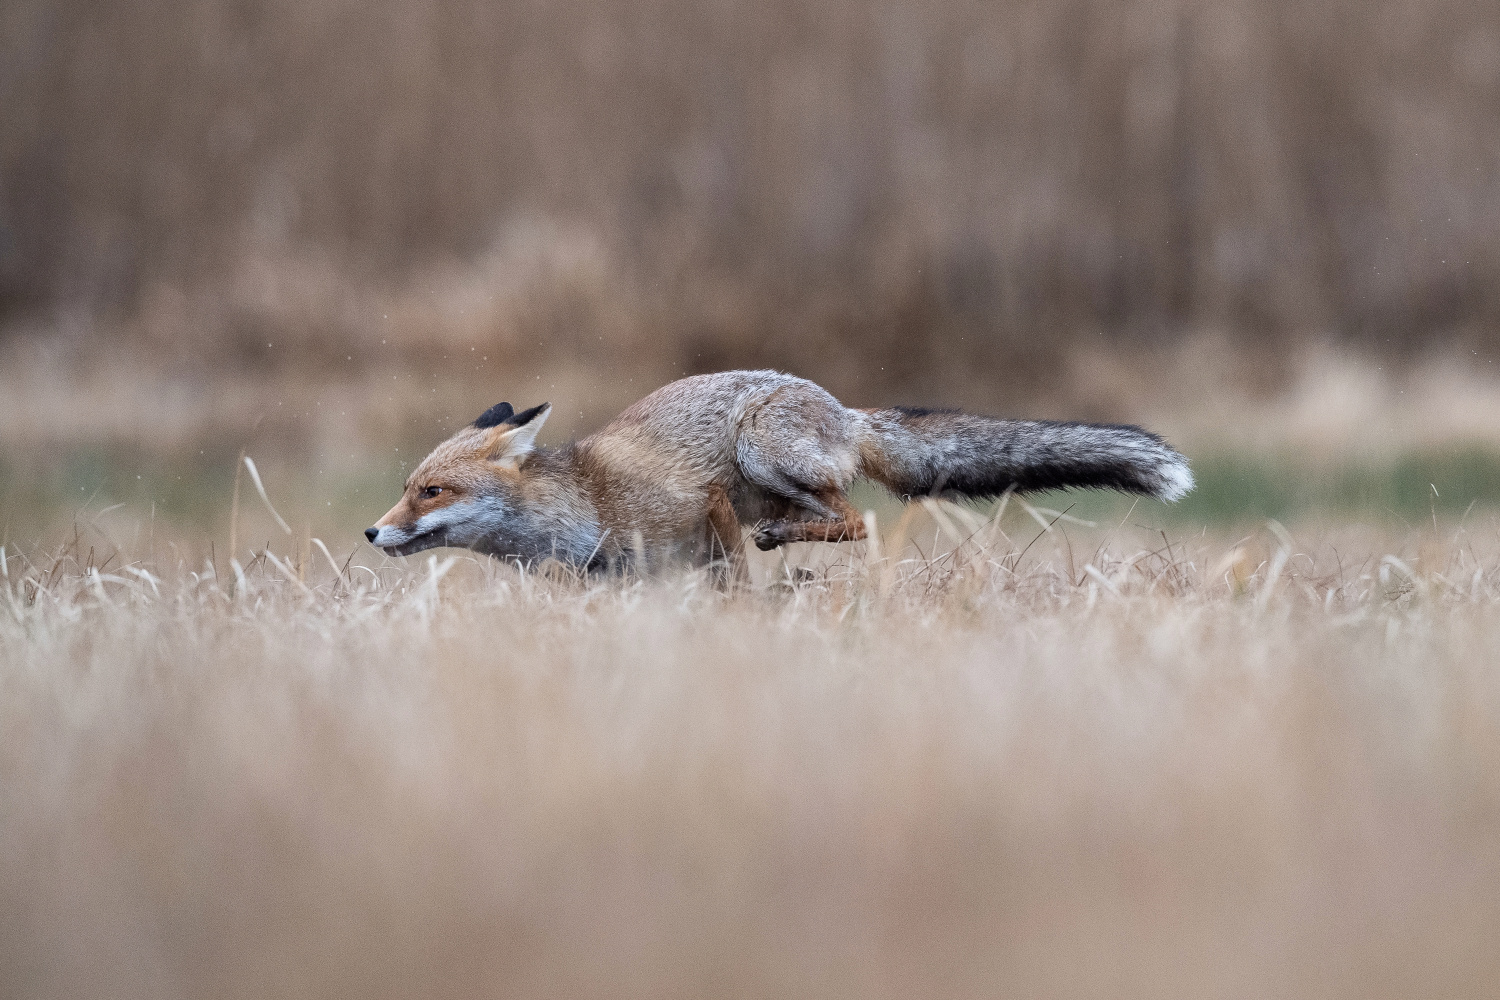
x,y
261,489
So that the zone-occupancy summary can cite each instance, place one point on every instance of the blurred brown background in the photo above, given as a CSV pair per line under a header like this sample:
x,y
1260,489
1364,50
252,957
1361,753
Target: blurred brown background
x,y
221,222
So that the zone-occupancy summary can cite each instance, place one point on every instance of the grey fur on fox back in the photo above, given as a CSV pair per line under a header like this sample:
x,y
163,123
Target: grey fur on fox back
x,y
678,473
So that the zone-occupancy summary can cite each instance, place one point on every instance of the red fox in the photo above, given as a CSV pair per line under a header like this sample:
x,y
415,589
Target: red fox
x,y
679,472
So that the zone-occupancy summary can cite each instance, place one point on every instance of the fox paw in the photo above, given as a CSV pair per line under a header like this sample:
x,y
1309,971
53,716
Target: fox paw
x,y
768,537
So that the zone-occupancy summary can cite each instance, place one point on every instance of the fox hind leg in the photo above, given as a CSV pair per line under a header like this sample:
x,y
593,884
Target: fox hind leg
x,y
799,444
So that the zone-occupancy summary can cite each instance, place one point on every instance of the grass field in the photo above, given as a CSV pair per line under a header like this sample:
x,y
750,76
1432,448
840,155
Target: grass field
x,y
1245,745
973,759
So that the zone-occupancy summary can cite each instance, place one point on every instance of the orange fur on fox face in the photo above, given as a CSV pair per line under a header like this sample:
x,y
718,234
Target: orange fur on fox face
x,y
461,492
416,502
456,470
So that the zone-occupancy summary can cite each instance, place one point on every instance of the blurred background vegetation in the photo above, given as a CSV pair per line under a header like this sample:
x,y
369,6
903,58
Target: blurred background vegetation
x,y
328,232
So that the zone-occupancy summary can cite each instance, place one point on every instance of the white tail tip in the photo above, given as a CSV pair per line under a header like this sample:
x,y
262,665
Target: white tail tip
x,y
1176,480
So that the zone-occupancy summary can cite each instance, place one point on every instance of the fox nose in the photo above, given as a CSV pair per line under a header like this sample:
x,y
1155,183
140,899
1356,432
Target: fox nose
x,y
370,533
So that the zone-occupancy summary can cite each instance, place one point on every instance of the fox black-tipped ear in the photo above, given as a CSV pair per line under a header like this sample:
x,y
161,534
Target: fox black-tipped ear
x,y
525,416
509,443
496,415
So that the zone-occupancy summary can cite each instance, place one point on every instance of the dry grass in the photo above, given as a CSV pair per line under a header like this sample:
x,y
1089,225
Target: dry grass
x,y
1102,768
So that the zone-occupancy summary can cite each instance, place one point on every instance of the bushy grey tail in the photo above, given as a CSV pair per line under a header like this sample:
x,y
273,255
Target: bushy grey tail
x,y
916,452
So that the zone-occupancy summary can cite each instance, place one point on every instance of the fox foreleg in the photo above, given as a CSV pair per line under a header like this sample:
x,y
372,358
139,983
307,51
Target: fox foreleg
x,y
726,548
844,526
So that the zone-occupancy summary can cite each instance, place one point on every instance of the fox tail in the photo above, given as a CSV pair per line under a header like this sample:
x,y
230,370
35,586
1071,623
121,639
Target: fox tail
x,y
917,452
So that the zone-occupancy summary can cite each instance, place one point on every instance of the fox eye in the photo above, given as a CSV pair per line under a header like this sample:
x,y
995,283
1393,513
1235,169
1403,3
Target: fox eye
x,y
431,492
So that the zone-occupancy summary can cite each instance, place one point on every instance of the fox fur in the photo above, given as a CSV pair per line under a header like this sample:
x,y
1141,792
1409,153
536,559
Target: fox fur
x,y
678,473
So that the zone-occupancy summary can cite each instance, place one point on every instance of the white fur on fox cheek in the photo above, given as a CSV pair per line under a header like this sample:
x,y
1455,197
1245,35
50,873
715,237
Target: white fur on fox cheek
x,y
481,517
463,522
445,517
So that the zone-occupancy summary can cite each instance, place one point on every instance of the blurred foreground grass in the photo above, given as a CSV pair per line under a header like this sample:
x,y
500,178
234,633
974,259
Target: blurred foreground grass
x,y
1103,764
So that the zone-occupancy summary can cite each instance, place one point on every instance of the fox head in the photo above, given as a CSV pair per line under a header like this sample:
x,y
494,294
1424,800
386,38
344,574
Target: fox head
x,y
466,490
